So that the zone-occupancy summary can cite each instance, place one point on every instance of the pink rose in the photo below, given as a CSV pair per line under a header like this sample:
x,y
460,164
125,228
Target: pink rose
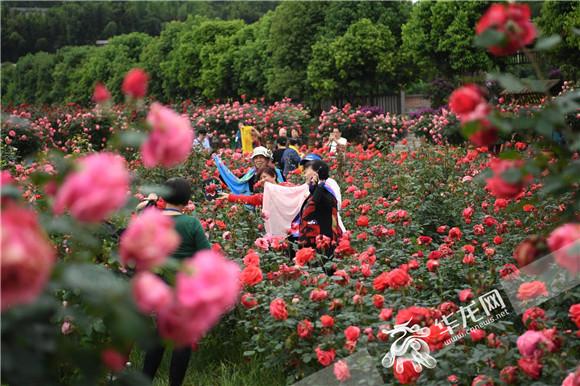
x,y
97,189
66,327
148,240
341,371
528,342
573,379
207,286
564,242
101,94
531,290
465,295
170,141
151,294
27,256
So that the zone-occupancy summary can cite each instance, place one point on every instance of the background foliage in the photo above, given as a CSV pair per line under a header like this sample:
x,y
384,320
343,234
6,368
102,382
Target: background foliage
x,y
308,51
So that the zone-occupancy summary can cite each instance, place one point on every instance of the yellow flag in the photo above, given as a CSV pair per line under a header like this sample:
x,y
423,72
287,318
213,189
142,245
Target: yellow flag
x,y
247,146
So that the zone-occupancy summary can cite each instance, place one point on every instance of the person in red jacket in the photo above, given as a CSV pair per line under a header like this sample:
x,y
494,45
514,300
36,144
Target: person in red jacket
x,y
263,175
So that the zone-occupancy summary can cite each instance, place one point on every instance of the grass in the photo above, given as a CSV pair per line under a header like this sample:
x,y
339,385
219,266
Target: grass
x,y
218,361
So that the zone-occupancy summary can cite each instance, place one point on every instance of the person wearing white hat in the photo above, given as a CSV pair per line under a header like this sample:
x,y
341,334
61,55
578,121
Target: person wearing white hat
x,y
262,157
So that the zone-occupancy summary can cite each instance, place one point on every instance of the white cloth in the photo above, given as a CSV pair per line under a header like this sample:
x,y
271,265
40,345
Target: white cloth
x,y
280,205
332,184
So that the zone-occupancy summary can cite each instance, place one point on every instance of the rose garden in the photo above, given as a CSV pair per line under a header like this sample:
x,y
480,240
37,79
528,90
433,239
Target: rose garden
x,y
441,206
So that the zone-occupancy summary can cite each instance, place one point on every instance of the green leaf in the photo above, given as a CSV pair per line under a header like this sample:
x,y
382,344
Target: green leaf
x,y
512,175
133,138
510,154
547,42
510,82
502,124
489,37
470,128
544,127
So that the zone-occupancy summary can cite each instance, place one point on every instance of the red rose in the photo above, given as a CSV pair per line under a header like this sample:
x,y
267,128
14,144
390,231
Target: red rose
x,y
477,334
465,100
424,240
437,335
114,360
529,250
386,314
531,366
278,309
414,315
380,283
500,188
398,278
304,256
513,20
509,375
447,308
532,318
251,275
248,301
509,271
378,301
317,295
352,333
362,221
434,255
532,290
101,94
574,313
135,83
486,134
455,233
325,357
305,329
408,373
432,265
252,258
327,321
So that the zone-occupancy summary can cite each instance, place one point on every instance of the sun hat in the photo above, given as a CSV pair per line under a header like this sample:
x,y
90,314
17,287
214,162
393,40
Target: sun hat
x,y
261,150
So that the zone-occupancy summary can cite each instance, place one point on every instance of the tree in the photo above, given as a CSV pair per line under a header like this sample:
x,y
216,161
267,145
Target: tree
x,y
560,17
293,31
67,73
185,61
251,58
359,63
437,40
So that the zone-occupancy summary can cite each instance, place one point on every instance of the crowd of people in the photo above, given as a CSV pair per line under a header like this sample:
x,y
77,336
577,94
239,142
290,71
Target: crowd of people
x,y
306,215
